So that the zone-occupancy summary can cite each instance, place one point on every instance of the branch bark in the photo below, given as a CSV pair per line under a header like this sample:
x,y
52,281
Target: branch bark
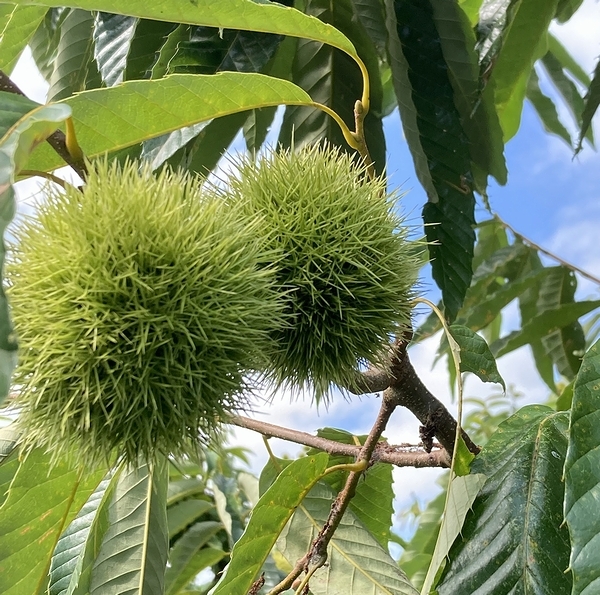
x,y
401,455
56,140
317,554
402,386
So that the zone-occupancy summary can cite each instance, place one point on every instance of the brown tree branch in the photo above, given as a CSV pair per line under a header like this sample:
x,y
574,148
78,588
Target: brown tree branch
x,y
56,140
407,390
402,385
539,248
402,455
317,554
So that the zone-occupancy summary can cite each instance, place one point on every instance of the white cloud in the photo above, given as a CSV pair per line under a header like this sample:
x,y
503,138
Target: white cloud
x,y
580,34
28,78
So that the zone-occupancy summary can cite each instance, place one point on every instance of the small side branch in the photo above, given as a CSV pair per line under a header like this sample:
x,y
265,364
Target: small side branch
x,y
403,455
57,140
402,386
539,248
317,554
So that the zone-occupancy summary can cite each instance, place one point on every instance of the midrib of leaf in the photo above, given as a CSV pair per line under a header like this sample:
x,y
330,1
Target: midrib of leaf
x,y
528,503
149,500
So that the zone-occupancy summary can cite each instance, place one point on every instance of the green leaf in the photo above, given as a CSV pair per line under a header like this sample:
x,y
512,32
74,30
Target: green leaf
x,y
17,26
133,553
113,34
471,8
566,9
543,324
161,149
357,563
374,497
15,145
169,48
14,107
528,308
234,14
371,14
189,556
256,127
185,513
567,61
9,465
148,39
477,114
482,307
582,481
592,101
475,355
516,38
439,146
567,345
184,488
333,79
74,60
268,519
258,123
545,108
512,539
461,496
45,40
209,50
77,547
202,154
112,119
42,500
416,557
565,399
566,88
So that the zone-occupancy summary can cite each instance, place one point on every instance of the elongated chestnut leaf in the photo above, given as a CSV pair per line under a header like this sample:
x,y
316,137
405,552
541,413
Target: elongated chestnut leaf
x,y
42,500
438,143
582,480
112,119
510,542
268,519
17,26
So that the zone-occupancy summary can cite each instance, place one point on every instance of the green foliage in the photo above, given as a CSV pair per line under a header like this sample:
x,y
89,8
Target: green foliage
x,y
109,120
22,128
440,146
373,501
475,355
581,475
342,259
459,71
269,517
508,540
592,101
357,562
17,25
39,505
158,310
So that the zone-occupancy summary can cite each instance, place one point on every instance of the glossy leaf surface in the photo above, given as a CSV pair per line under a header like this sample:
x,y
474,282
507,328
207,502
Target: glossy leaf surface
x,y
582,478
268,519
41,502
513,540
112,119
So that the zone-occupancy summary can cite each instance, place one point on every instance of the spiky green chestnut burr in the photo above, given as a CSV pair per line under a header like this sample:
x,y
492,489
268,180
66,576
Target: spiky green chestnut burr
x,y
344,262
139,304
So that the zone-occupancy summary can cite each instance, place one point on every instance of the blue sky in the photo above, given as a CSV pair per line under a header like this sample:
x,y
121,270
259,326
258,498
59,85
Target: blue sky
x,y
550,198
